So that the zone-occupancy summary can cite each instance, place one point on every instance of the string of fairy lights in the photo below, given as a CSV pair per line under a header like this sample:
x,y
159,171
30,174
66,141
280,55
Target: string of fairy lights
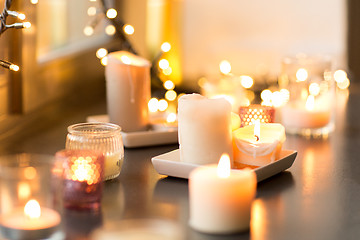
x,y
17,25
161,68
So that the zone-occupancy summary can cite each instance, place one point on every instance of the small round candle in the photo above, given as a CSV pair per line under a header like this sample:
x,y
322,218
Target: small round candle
x,y
257,149
39,223
220,198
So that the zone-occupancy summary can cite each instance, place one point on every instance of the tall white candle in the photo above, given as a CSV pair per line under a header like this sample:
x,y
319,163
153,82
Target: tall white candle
x,y
128,90
220,198
204,128
258,144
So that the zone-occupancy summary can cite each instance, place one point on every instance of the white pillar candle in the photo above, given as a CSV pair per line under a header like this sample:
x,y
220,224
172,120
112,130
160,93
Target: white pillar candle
x,y
204,128
220,198
258,148
128,90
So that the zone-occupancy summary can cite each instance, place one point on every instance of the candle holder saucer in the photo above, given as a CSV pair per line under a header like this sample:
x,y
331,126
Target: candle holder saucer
x,y
151,137
169,164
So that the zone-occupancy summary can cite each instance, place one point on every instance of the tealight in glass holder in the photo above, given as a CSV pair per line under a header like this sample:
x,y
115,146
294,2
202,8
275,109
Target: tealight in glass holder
x,y
309,110
249,114
101,137
83,172
30,207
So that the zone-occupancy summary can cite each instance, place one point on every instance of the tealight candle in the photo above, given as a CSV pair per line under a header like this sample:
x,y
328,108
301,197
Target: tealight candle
x,y
258,144
221,198
30,222
309,114
83,178
204,129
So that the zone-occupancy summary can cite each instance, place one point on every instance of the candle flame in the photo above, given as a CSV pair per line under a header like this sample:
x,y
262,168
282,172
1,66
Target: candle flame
x,y
32,209
223,169
126,60
257,129
310,103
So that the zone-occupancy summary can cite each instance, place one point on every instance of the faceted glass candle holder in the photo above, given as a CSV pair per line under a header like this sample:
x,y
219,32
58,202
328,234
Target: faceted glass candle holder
x,y
248,114
311,86
101,137
30,207
82,178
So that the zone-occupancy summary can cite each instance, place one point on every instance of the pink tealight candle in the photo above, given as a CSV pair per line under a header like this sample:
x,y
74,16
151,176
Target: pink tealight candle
x,y
30,222
221,198
83,178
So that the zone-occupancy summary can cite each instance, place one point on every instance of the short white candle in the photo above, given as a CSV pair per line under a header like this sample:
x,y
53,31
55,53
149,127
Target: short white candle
x,y
312,114
258,148
220,198
30,222
128,90
204,128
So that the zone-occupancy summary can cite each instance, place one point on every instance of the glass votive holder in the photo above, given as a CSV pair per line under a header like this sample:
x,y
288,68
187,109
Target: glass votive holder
x,y
248,114
29,208
309,110
83,172
101,137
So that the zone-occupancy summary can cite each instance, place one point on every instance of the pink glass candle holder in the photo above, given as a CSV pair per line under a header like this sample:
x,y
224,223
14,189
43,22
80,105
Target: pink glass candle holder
x,y
83,178
249,114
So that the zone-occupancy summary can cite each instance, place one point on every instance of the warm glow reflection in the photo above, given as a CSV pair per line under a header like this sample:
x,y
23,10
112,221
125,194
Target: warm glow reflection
x,y
153,104
129,29
88,31
224,166
21,16
91,11
170,95
30,173
277,99
340,76
111,13
344,84
225,67
110,30
310,103
246,81
301,74
101,52
169,85
171,117
34,1
163,105
266,95
167,71
23,190
125,59
14,67
104,61
164,64
257,129
314,89
258,219
32,209
165,47
84,169
26,24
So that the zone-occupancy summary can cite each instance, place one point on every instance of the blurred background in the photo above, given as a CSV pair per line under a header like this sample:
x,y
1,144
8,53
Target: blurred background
x,y
58,58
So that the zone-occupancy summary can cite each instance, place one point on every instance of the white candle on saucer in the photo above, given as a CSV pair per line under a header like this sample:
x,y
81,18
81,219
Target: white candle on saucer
x,y
204,129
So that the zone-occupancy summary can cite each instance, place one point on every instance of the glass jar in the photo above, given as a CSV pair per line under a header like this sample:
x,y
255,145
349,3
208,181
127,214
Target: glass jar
x,y
310,107
29,197
102,137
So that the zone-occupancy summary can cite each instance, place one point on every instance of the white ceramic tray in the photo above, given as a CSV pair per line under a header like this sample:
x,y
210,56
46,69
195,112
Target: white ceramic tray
x,y
169,164
152,137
